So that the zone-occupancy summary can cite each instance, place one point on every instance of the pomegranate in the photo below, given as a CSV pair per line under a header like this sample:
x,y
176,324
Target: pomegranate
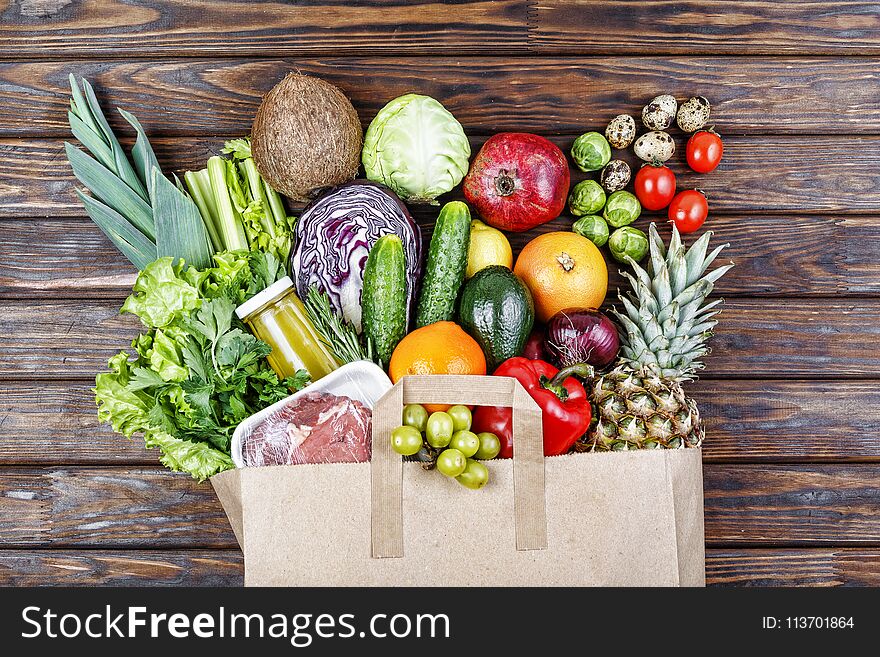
x,y
518,181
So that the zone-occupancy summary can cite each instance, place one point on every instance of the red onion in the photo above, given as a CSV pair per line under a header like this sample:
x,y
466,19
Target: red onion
x,y
534,349
581,336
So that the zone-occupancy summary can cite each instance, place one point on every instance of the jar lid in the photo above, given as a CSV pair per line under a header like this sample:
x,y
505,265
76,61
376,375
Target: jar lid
x,y
268,295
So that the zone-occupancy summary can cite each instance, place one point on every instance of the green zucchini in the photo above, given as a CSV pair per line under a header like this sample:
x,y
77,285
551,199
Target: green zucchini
x,y
384,299
447,262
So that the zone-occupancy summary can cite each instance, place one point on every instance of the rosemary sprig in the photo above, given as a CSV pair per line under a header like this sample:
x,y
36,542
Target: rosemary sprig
x,y
338,334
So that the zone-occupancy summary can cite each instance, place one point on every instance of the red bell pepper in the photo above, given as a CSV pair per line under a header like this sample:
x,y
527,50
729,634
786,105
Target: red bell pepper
x,y
566,412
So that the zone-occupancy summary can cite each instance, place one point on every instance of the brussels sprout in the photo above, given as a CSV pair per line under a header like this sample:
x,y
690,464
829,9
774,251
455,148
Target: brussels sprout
x,y
628,241
593,227
587,197
417,148
591,151
622,209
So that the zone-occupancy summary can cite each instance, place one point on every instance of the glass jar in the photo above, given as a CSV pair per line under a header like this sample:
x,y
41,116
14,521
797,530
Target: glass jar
x,y
277,317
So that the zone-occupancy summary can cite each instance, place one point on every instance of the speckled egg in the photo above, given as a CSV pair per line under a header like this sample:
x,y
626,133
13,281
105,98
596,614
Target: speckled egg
x,y
654,146
660,112
621,131
693,114
615,176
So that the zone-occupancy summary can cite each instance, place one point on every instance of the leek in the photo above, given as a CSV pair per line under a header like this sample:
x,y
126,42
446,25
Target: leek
x,y
143,213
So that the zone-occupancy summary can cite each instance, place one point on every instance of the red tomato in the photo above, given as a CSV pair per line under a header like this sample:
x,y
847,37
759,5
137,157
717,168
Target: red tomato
x,y
704,150
655,186
688,210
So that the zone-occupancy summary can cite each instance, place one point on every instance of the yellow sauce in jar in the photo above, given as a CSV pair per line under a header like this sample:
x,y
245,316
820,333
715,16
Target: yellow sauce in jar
x,y
277,317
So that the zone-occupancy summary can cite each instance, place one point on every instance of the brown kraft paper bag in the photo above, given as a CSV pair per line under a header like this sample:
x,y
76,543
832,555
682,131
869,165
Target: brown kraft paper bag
x,y
591,519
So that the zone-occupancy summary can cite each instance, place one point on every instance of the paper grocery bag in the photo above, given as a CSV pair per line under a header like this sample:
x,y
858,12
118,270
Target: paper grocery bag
x,y
609,519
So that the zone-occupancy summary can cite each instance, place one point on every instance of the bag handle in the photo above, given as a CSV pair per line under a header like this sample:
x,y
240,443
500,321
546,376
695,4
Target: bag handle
x,y
386,475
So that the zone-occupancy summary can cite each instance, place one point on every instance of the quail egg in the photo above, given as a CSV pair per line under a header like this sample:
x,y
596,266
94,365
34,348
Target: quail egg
x,y
660,112
693,114
615,176
655,146
621,131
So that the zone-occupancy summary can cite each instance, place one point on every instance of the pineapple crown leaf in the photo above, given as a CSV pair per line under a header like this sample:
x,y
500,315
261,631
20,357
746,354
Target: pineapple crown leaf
x,y
656,248
672,311
677,270
708,260
642,275
703,328
696,256
661,288
665,316
631,311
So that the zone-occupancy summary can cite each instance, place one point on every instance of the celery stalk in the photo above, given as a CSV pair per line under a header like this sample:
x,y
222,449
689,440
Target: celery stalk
x,y
277,206
231,228
199,185
256,187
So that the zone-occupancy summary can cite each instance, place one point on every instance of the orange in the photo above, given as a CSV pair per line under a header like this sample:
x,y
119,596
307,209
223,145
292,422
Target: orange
x,y
562,270
440,348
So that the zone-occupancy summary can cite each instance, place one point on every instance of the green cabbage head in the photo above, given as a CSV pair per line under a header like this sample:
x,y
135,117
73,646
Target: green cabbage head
x,y
417,148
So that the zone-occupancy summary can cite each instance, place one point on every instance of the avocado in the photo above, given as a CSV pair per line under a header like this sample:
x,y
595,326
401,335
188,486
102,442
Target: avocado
x,y
497,310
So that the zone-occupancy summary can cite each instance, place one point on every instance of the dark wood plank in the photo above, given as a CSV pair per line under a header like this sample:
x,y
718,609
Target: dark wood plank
x,y
779,174
164,28
830,256
792,505
750,95
710,27
106,507
111,507
61,258
121,568
58,423
259,27
724,567
796,339
64,340
512,26
792,567
789,421
764,338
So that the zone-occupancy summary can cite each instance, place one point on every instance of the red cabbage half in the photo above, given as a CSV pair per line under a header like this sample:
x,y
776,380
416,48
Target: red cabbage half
x,y
333,238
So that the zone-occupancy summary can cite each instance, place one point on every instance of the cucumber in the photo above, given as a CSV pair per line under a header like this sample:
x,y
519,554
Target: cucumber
x,y
384,299
447,262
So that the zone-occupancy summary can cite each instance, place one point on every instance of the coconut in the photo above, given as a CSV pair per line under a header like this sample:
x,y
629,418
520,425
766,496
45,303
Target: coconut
x,y
306,137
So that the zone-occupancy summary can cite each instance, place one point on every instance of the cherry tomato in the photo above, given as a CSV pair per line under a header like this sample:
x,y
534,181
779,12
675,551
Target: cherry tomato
x,y
655,186
688,210
704,151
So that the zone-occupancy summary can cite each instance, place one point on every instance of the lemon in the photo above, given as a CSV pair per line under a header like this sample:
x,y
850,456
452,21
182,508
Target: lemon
x,y
488,246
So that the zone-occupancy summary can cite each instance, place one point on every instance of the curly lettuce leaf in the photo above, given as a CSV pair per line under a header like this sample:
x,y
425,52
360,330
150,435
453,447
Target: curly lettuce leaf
x,y
198,459
124,409
165,359
161,295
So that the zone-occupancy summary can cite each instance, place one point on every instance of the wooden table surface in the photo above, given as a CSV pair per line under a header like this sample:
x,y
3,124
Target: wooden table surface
x,y
790,394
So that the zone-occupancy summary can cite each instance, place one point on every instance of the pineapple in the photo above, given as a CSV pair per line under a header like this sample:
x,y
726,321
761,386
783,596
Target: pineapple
x,y
666,323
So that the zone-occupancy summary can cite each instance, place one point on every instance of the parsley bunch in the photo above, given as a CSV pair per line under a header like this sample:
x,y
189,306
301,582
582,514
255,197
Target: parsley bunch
x,y
197,373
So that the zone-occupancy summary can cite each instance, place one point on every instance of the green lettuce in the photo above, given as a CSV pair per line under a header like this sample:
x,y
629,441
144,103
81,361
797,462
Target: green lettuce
x,y
161,294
